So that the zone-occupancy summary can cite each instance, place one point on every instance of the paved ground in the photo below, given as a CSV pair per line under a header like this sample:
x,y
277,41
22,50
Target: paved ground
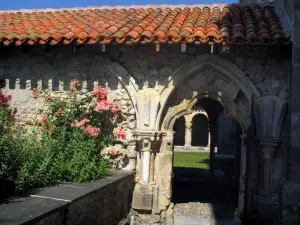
x,y
200,200
186,220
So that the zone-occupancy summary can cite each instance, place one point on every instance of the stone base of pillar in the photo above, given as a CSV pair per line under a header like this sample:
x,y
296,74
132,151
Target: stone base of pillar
x,y
142,197
266,193
151,207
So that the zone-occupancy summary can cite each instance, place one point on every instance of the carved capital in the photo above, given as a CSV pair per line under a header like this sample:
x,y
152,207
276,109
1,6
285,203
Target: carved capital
x,y
148,138
268,146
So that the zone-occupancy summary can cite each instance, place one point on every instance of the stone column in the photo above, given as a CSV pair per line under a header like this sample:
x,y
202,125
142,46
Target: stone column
x,y
209,138
213,129
146,161
266,153
188,134
269,111
241,201
147,142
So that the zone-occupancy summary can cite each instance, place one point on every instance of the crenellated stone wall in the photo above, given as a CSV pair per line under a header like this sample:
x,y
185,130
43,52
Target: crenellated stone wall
x,y
155,88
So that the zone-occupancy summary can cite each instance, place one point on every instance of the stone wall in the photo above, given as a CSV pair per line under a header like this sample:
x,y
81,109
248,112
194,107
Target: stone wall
x,y
138,69
106,202
291,186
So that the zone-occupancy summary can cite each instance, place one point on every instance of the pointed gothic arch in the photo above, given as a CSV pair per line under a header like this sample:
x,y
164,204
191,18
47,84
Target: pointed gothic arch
x,y
208,76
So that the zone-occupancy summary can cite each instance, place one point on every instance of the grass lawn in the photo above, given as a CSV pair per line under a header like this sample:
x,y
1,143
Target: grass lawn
x,y
191,159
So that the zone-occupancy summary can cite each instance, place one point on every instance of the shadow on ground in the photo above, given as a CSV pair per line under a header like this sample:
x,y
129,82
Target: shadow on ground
x,y
196,185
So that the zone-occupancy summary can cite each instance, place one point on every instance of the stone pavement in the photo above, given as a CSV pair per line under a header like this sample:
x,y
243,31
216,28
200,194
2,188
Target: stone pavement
x,y
189,220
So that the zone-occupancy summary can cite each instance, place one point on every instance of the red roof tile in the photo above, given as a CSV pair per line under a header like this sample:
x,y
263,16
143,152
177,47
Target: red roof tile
x,y
217,23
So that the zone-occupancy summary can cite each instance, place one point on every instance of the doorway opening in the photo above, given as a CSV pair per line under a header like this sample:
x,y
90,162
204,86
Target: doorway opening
x,y
206,184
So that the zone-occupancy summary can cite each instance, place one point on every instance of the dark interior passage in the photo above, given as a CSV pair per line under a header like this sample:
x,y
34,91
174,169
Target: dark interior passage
x,y
200,130
218,183
179,129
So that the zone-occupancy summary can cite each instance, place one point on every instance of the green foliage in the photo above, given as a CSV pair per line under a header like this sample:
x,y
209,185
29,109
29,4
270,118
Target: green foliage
x,y
9,154
64,145
70,156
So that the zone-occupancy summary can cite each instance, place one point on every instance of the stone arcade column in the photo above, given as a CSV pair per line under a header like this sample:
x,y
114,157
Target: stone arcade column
x,y
147,143
149,194
213,127
209,138
188,133
266,153
238,218
269,112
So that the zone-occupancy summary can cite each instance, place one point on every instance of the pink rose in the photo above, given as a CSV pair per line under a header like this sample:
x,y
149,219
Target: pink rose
x,y
44,119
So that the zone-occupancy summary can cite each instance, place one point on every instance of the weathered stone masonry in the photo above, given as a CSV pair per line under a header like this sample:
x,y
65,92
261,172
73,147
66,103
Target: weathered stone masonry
x,y
155,88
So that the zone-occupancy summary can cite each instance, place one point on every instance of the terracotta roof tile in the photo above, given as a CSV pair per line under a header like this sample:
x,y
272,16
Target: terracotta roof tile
x,y
212,23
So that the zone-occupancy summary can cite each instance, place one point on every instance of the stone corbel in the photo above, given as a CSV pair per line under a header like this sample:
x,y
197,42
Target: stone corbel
x,y
147,103
269,112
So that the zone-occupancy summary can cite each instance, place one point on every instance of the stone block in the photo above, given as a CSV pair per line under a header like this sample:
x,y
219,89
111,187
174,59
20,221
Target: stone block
x,y
164,163
290,194
232,90
154,219
164,183
142,197
170,210
164,199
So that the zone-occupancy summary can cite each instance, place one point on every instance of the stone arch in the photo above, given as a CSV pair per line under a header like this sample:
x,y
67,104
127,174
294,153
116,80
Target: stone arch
x,y
189,125
186,107
217,75
208,76
127,81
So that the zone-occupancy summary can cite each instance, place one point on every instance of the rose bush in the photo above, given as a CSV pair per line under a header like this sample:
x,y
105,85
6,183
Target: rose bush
x,y
65,142
8,152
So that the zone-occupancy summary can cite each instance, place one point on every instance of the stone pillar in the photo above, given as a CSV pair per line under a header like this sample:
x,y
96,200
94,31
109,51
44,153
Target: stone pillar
x,y
266,153
147,144
242,179
209,138
188,133
213,130
269,111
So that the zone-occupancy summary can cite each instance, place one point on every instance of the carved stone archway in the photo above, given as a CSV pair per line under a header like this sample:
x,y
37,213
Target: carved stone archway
x,y
212,78
214,66
208,76
185,108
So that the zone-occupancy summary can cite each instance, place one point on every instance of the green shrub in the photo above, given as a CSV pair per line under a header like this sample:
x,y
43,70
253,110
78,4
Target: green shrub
x,y
9,155
62,145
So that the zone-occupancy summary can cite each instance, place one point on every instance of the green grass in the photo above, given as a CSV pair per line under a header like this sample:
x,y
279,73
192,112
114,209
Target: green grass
x,y
191,159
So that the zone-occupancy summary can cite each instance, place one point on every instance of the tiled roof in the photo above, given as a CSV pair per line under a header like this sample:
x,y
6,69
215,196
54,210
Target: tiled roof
x,y
217,23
